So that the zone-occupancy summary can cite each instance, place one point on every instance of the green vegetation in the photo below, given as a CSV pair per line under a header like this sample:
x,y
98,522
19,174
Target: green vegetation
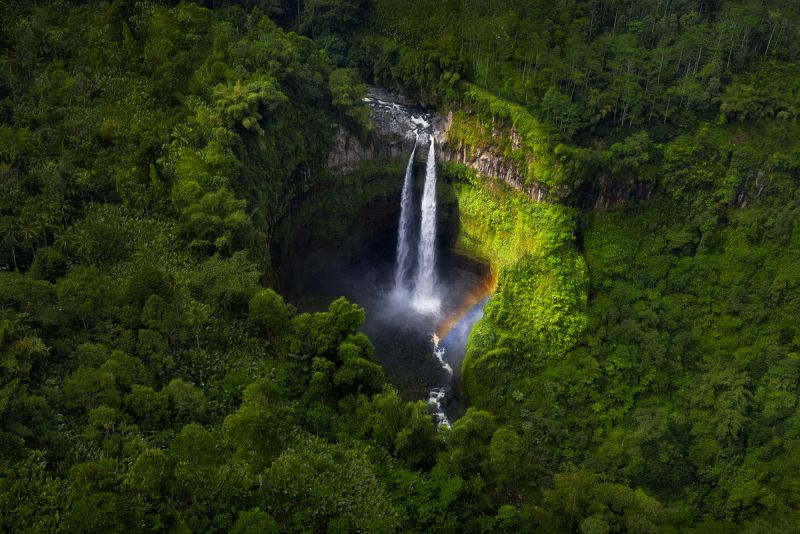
x,y
573,90
671,384
589,68
637,369
524,140
539,307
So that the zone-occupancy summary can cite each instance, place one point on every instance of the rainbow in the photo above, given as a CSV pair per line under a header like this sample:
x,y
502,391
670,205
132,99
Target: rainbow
x,y
481,290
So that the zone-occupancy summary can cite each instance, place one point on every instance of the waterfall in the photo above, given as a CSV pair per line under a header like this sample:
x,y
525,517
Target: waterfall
x,y
424,298
406,210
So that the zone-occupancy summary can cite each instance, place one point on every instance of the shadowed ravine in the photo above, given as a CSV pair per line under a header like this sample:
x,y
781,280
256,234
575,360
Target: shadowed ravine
x,y
395,258
403,337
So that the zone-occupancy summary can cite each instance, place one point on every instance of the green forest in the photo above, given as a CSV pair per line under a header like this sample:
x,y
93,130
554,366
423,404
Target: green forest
x,y
637,368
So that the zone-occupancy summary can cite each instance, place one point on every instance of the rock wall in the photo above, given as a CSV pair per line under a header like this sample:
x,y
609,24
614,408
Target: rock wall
x,y
349,150
606,192
399,123
488,160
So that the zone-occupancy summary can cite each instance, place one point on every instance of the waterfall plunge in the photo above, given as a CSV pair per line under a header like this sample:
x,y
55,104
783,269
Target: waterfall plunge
x,y
424,299
406,213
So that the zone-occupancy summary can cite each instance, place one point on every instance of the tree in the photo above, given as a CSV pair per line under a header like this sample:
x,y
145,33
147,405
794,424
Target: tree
x,y
206,480
49,265
31,497
8,231
578,492
255,522
261,426
467,440
347,94
150,408
319,486
147,280
196,314
407,430
270,314
161,317
151,474
89,388
110,429
240,104
507,460
186,403
226,284
83,295
215,221
103,512
320,334
326,17
631,154
127,370
357,374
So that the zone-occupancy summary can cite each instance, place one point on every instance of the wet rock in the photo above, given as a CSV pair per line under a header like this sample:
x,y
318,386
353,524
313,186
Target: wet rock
x,y
396,124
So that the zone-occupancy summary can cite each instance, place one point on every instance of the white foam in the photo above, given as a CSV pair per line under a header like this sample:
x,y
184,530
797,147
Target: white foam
x,y
439,353
435,398
419,121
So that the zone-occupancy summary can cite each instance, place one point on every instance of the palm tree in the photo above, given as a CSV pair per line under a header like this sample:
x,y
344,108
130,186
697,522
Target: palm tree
x,y
47,220
75,242
28,233
65,241
197,314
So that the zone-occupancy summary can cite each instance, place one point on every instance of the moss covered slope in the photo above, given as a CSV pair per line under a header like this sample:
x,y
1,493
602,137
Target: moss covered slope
x,y
539,307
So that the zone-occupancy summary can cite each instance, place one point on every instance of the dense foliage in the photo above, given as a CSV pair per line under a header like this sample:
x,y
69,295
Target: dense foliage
x,y
673,386
590,67
638,369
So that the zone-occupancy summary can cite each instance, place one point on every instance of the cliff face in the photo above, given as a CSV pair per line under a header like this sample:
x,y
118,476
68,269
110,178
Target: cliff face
x,y
396,124
606,192
399,124
349,150
488,160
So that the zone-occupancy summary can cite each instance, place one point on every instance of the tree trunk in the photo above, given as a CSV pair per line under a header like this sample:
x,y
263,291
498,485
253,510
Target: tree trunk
x,y
624,113
660,64
697,63
780,33
770,38
730,53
